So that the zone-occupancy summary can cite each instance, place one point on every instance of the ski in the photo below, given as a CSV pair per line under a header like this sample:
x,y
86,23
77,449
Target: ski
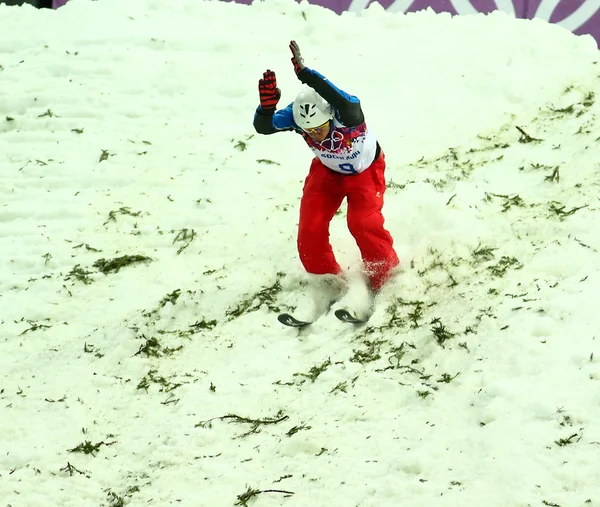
x,y
346,316
289,320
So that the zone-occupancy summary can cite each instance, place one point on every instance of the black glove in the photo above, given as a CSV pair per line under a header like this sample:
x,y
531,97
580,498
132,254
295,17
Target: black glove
x,y
269,93
297,58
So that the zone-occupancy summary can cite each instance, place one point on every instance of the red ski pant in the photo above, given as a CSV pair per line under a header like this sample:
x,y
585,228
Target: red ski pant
x,y
324,191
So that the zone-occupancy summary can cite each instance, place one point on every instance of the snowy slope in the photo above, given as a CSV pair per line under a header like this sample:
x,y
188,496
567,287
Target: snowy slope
x,y
164,378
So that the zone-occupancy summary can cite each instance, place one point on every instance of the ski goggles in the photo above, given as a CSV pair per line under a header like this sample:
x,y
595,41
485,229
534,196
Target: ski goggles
x,y
319,129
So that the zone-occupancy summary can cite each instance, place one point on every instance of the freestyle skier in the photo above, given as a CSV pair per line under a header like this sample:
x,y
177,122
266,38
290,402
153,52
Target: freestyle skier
x,y
348,162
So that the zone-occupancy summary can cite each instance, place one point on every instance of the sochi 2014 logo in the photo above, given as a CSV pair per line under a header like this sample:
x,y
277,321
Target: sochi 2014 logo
x,y
571,14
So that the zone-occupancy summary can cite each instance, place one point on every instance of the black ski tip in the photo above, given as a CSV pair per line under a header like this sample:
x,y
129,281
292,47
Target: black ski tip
x,y
346,316
289,320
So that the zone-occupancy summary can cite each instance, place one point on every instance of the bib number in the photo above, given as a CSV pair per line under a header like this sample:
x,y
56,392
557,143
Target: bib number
x,y
347,168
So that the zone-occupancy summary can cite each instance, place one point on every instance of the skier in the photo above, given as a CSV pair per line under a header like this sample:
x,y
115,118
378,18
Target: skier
x,y
348,163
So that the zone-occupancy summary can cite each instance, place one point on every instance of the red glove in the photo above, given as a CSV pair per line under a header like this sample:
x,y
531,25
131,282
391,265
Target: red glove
x,y
297,57
269,93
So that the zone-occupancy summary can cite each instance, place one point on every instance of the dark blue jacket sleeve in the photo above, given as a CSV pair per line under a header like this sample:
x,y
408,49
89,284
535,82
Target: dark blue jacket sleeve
x,y
348,106
269,123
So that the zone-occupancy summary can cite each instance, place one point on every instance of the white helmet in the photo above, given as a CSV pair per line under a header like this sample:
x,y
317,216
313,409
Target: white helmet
x,y
310,110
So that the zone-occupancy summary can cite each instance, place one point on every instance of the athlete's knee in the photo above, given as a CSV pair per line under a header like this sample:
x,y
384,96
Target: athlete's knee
x,y
359,223
313,228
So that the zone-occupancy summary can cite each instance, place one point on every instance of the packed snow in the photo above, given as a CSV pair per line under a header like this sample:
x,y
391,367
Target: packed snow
x,y
147,239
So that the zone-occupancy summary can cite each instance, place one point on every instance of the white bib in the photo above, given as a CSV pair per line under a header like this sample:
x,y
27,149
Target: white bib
x,y
346,150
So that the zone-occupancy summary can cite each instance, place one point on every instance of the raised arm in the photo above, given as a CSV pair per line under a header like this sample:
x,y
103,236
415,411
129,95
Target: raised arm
x,y
348,106
266,120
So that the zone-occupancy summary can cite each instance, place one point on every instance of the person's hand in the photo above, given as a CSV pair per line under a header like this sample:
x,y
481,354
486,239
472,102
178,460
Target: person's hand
x,y
297,57
269,93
